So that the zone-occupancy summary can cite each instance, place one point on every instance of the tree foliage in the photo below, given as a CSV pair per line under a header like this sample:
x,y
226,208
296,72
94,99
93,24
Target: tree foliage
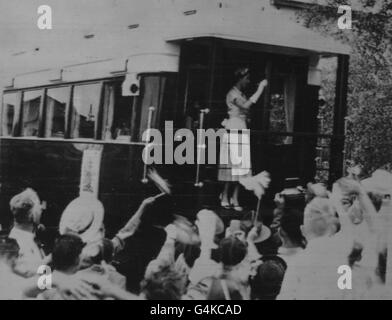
x,y
369,121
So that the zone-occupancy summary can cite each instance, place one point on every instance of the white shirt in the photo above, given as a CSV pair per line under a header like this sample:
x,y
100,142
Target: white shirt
x,y
11,285
30,255
235,101
313,273
289,254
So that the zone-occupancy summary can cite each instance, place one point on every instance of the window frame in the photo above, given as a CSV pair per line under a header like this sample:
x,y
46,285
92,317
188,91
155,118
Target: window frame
x,y
97,124
133,112
67,109
98,127
19,127
18,106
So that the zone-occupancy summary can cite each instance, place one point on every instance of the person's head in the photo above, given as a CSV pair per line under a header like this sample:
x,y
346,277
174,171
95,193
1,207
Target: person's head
x,y
319,219
84,216
224,289
9,250
26,208
66,253
379,189
268,280
349,198
232,251
290,228
234,258
164,284
242,77
314,190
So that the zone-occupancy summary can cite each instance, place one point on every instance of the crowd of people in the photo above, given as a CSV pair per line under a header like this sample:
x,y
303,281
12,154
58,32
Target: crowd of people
x,y
298,257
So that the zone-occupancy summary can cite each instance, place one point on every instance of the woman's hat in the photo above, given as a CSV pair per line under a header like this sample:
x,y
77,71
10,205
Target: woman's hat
x,y
83,216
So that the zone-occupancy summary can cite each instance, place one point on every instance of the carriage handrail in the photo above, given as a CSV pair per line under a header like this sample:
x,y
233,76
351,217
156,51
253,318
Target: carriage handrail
x,y
200,147
147,141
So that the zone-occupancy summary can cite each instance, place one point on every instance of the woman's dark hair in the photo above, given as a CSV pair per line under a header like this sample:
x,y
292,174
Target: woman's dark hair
x,y
22,211
66,251
232,251
291,225
267,283
240,73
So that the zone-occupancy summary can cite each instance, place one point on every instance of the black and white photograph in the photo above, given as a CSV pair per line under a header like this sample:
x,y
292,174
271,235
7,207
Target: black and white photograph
x,y
198,150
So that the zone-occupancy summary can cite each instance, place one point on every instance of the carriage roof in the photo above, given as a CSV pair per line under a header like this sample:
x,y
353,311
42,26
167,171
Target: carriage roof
x,y
150,43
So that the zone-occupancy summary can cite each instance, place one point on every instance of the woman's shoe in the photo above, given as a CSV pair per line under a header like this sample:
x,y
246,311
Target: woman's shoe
x,y
236,206
224,204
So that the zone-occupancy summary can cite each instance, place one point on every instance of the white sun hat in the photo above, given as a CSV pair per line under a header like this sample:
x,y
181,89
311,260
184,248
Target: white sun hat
x,y
83,216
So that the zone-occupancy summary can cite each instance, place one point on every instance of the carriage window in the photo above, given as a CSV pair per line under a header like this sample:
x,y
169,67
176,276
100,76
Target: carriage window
x,y
31,106
117,113
85,105
56,103
283,107
10,102
158,91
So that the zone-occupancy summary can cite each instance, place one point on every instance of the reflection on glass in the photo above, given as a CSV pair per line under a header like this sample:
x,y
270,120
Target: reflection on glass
x,y
10,101
30,120
56,103
85,106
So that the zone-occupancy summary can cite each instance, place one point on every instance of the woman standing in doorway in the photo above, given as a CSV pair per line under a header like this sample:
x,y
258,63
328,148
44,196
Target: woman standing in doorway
x,y
235,144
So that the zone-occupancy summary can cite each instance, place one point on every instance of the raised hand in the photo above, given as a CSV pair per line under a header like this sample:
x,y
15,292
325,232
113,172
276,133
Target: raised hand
x,y
263,84
148,202
133,223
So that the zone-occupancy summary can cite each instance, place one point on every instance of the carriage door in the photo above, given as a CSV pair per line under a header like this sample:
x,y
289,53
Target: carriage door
x,y
285,147
193,98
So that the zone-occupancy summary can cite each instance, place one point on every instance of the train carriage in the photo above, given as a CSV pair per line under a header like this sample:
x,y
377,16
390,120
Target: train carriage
x,y
78,127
